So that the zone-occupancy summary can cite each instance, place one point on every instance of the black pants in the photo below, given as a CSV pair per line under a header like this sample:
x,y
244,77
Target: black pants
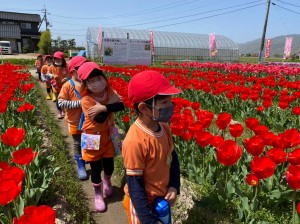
x,y
48,90
40,75
77,144
96,167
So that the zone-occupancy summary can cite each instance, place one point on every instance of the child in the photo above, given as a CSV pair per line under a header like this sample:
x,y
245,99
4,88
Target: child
x,y
151,163
59,74
45,77
70,99
98,106
39,64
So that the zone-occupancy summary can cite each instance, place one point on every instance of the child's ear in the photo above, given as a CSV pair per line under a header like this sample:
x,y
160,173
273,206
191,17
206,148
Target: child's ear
x,y
142,107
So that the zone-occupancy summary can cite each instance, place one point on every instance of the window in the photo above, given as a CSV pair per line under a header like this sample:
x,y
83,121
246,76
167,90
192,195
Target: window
x,y
26,26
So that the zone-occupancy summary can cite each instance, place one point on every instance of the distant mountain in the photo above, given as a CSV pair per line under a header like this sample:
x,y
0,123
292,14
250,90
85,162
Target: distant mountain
x,y
277,46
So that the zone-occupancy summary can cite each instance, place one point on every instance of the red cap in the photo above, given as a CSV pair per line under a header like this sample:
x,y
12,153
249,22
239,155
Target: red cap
x,y
86,68
47,56
147,84
75,63
39,55
59,54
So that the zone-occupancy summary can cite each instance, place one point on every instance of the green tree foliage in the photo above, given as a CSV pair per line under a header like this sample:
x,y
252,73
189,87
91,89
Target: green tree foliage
x,y
45,42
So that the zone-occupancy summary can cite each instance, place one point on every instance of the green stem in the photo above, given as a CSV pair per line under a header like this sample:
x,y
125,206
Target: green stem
x,y
9,213
17,209
226,177
294,207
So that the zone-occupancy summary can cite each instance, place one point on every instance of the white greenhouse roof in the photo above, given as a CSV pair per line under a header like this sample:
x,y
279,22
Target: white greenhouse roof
x,y
164,39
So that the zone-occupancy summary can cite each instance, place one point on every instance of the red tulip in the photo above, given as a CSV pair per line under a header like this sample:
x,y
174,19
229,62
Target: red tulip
x,y
187,136
260,109
294,157
262,167
229,153
33,214
216,141
25,107
177,128
13,136
293,177
260,129
255,145
252,122
277,155
195,106
298,207
126,119
291,137
23,156
9,190
236,130
252,180
203,138
296,111
223,120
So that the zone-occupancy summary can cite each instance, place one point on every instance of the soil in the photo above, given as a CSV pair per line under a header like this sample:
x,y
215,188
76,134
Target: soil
x,y
115,213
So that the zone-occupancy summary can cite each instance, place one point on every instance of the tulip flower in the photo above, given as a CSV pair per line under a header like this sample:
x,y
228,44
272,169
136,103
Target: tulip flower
x,y
33,214
252,180
277,155
223,120
229,153
294,157
255,145
13,136
262,167
236,130
293,177
23,156
203,138
252,122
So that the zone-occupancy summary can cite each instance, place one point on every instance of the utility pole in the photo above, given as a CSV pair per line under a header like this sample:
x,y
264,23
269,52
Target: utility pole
x,y
262,44
44,11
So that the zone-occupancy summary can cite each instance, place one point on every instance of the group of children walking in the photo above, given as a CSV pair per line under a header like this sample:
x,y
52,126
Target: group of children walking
x,y
83,91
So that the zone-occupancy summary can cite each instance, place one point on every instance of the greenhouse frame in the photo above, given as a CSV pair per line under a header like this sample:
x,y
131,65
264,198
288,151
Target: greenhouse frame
x,y
169,46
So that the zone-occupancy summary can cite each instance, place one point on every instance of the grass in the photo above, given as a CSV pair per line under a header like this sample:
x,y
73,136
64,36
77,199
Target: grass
x,y
16,61
65,181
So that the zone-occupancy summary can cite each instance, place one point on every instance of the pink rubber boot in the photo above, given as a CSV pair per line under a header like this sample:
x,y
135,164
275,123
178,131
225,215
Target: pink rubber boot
x,y
107,187
100,205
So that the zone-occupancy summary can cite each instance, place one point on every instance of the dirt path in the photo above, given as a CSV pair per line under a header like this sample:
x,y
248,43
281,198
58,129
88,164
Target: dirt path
x,y
115,212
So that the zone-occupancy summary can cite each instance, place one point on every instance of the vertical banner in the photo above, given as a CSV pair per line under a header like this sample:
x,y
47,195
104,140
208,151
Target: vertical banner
x,y
288,47
212,45
152,42
268,47
99,38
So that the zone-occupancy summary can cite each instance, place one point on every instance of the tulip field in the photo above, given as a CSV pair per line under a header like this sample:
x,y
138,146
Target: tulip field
x,y
235,129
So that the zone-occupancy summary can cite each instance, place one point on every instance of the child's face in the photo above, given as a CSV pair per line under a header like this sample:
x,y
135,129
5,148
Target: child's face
x,y
40,58
159,104
49,61
58,61
96,84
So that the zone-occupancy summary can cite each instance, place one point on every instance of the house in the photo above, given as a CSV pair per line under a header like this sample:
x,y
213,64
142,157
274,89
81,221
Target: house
x,y
21,29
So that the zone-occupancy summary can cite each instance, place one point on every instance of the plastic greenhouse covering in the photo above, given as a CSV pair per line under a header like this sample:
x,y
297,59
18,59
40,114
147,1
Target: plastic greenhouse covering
x,y
169,46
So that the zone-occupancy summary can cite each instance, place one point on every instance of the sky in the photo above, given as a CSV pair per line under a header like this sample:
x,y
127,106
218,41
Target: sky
x,y
240,20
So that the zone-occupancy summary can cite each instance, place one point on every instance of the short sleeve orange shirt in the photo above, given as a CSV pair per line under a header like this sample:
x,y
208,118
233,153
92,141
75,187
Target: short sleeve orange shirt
x,y
148,154
59,73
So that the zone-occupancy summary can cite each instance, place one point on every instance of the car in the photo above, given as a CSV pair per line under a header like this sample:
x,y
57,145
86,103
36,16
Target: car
x,y
5,47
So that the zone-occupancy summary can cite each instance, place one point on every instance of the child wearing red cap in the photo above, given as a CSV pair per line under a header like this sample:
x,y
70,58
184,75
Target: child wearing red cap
x,y
59,75
152,166
69,99
99,106
45,76
39,64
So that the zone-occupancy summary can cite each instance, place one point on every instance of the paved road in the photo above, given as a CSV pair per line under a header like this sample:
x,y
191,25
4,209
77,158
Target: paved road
x,y
115,213
20,56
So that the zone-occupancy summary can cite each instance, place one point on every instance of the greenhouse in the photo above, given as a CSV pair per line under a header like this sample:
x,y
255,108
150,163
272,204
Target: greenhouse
x,y
168,46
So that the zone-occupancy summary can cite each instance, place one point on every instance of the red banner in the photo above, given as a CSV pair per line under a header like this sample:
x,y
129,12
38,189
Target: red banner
x,y
212,45
268,47
152,42
288,47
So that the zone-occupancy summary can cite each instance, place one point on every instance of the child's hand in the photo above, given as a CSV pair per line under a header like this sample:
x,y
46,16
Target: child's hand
x,y
97,109
171,196
114,99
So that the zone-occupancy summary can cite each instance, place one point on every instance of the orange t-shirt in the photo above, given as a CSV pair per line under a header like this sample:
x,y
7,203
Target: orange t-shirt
x,y
72,115
148,154
92,127
59,73
38,64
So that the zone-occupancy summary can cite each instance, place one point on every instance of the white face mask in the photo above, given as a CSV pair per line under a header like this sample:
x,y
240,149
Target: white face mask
x,y
97,86
58,63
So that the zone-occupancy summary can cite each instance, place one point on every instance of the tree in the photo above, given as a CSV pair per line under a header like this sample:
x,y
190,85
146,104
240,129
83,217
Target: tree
x,y
45,42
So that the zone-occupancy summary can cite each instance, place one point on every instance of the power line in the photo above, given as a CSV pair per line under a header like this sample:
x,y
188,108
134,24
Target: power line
x,y
236,10
131,14
79,35
286,8
298,6
180,17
